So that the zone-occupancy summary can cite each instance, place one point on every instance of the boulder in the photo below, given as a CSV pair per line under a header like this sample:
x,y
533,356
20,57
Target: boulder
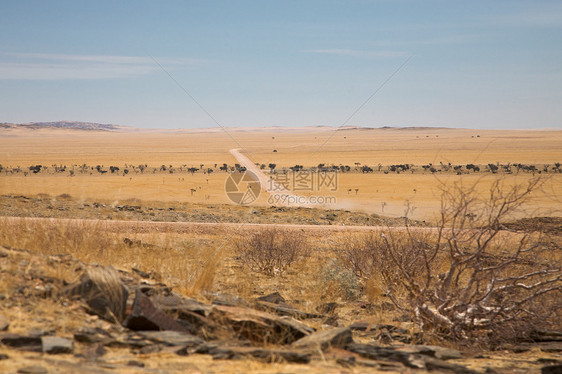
x,y
33,369
56,345
441,353
285,310
412,360
145,316
373,352
219,352
172,338
23,342
339,337
274,298
259,326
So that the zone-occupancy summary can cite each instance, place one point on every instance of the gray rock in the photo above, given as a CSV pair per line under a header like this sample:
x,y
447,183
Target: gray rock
x,y
441,353
135,363
447,367
339,337
283,309
261,354
34,369
56,345
145,316
274,298
259,326
373,352
172,338
23,342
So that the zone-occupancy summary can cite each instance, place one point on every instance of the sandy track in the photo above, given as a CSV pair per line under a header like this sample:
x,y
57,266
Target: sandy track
x,y
279,193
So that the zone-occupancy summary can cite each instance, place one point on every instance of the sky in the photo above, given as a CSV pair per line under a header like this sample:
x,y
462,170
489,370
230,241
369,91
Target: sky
x,y
195,64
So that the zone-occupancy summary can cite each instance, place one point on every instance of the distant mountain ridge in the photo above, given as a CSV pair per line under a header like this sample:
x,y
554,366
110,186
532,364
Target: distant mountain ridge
x,y
89,126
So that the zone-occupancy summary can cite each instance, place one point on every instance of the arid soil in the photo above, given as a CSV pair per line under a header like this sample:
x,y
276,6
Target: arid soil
x,y
140,271
66,206
50,322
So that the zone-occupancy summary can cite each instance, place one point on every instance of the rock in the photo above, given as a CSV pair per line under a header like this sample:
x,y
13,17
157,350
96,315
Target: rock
x,y
551,347
102,289
444,366
441,353
145,316
34,369
96,350
37,332
172,338
135,363
4,356
56,345
226,299
413,360
549,361
339,337
262,354
154,289
552,369
285,310
23,342
362,326
274,298
143,274
387,354
90,335
259,326
276,303
189,313
152,348
175,303
4,324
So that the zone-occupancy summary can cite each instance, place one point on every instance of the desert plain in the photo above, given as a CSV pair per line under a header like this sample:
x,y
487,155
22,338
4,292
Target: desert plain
x,y
164,211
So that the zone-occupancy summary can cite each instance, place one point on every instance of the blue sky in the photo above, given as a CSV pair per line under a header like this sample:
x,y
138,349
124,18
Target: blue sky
x,y
475,64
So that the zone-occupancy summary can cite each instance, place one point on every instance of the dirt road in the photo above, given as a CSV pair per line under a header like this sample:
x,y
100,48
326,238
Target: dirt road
x,y
279,194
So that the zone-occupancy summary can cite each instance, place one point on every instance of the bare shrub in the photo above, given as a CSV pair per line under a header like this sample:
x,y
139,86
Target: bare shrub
x,y
469,278
272,251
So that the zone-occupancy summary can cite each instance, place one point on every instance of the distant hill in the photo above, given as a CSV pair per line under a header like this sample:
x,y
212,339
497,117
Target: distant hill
x,y
88,126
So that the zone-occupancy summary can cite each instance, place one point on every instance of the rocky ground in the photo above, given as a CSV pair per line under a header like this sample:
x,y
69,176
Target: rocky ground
x,y
61,315
65,206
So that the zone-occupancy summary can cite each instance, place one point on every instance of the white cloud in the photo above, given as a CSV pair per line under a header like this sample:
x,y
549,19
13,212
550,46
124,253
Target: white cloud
x,y
360,53
538,15
44,66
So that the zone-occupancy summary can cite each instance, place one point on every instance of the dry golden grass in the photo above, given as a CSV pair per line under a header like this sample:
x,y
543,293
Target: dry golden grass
x,y
378,193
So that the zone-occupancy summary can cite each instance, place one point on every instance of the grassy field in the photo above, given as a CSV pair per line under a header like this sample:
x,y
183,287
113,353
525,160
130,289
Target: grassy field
x,y
378,193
